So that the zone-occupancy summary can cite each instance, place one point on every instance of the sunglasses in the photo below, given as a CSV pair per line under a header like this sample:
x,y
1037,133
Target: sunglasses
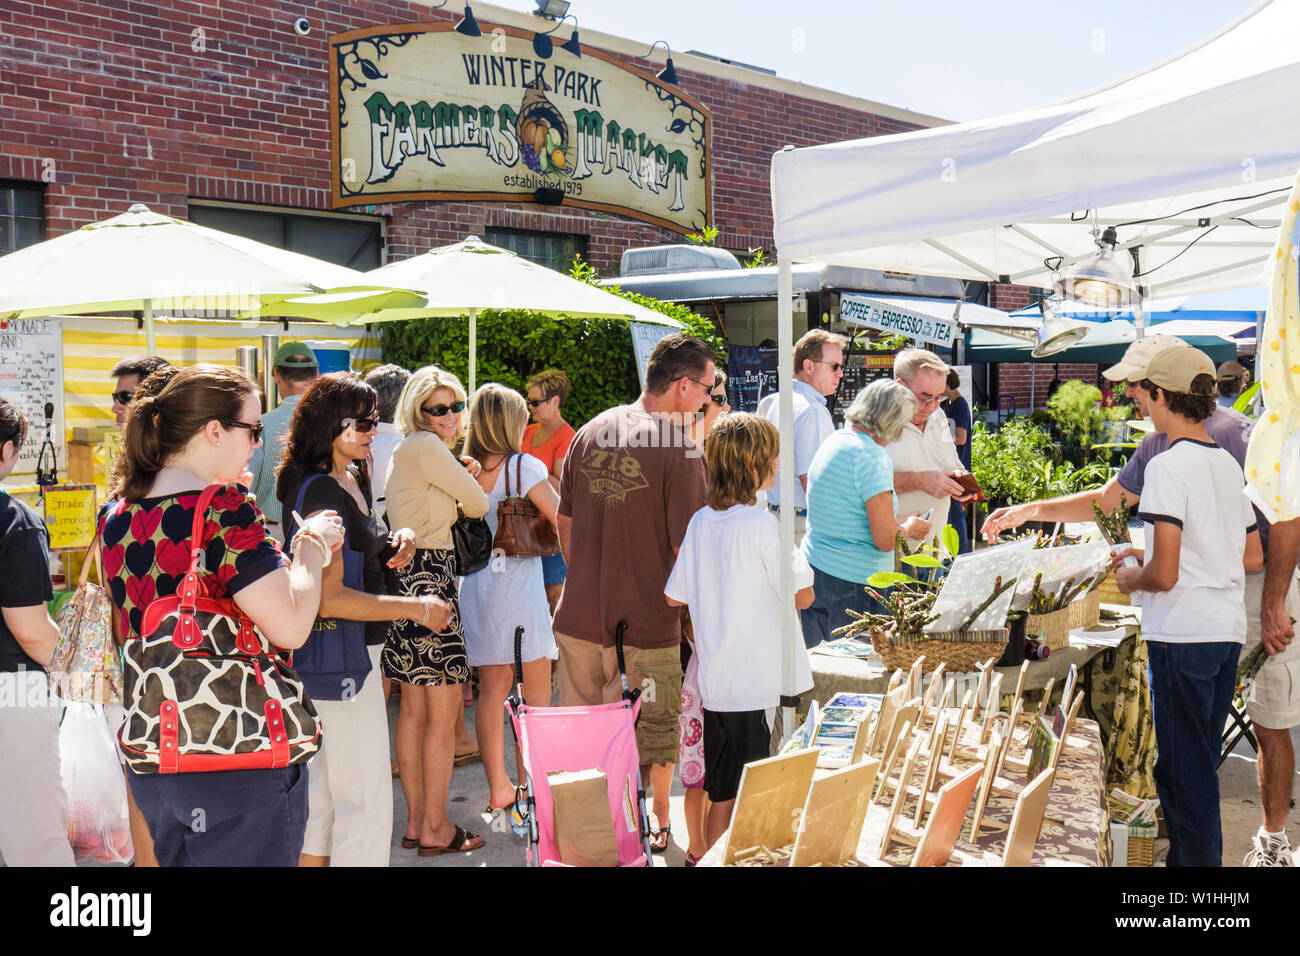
x,y
835,366
719,400
364,426
255,429
122,398
534,402
437,411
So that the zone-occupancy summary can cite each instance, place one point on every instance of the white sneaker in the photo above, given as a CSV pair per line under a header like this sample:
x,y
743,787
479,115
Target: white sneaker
x,y
1269,851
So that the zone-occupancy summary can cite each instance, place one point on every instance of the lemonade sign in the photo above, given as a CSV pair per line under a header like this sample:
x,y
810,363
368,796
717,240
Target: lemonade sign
x,y
421,112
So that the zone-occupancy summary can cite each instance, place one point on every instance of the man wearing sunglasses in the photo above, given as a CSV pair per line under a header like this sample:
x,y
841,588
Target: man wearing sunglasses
x,y
129,374
294,368
818,368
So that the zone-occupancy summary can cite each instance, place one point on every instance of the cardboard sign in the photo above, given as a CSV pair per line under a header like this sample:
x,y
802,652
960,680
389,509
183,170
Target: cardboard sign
x,y
70,516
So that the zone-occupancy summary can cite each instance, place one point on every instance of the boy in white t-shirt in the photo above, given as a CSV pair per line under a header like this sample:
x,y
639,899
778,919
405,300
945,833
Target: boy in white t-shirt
x,y
728,572
1198,520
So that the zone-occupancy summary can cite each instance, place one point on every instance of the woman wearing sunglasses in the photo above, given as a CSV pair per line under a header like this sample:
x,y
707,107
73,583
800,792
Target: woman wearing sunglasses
x,y
426,482
713,409
350,789
547,439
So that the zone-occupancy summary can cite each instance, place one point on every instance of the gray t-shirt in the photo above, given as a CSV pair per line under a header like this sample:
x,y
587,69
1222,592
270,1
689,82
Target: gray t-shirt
x,y
1228,429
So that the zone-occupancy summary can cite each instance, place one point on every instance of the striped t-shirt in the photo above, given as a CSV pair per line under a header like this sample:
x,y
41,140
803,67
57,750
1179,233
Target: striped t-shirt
x,y
848,470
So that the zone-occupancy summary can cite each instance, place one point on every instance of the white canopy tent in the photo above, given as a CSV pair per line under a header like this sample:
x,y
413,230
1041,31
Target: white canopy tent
x,y
1191,161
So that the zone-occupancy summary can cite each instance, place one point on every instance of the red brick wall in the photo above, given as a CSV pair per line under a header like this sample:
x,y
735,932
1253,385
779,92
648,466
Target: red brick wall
x,y
109,104
1015,379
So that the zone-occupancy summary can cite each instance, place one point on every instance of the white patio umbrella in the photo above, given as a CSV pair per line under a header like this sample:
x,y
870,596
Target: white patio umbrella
x,y
467,277
143,261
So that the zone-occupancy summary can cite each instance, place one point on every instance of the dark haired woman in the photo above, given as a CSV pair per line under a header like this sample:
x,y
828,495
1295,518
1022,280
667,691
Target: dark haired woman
x,y
199,430
350,792
34,821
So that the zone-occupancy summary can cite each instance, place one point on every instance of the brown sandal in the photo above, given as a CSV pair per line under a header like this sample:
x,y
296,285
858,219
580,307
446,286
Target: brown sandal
x,y
461,842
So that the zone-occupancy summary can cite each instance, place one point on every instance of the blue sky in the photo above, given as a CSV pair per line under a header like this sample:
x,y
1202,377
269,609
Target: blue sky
x,y
957,60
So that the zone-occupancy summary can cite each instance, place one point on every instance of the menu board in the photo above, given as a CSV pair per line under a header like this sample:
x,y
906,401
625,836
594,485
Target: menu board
x,y
31,374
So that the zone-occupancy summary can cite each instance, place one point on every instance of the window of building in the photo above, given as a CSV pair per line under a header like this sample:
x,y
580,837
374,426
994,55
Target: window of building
x,y
551,249
22,215
352,241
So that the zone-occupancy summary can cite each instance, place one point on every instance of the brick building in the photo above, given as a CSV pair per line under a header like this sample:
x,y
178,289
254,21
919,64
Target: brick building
x,y
220,112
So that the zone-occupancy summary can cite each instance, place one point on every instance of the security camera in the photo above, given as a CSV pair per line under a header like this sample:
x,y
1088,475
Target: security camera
x,y
302,26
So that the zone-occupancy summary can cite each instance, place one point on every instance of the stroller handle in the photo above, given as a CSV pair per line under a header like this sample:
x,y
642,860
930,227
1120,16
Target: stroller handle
x,y
519,664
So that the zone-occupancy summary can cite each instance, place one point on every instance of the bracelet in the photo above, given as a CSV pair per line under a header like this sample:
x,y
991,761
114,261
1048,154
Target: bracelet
x,y
318,541
424,621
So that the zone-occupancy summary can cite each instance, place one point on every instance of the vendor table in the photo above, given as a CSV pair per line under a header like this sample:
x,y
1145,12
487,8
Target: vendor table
x,y
1075,831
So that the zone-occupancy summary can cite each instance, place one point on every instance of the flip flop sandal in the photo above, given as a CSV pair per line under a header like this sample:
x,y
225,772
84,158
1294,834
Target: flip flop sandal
x,y
692,859
459,844
410,843
461,760
656,846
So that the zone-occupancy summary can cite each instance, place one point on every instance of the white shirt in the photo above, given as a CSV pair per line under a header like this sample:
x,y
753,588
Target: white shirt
x,y
728,572
387,438
929,450
1198,487
812,426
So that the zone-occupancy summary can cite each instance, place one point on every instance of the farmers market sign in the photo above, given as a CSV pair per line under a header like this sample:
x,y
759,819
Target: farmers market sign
x,y
860,310
422,112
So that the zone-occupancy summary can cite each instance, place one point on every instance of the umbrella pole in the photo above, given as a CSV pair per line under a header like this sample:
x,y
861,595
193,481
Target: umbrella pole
x,y
473,350
150,344
785,400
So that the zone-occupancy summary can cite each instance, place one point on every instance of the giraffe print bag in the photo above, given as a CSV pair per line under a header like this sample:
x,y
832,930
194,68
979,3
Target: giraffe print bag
x,y
204,690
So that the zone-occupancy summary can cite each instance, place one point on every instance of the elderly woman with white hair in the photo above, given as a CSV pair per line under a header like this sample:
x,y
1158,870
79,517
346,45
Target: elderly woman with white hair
x,y
851,523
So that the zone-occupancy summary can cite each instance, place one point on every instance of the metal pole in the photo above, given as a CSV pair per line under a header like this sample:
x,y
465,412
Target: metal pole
x,y
270,345
246,358
785,399
473,350
150,342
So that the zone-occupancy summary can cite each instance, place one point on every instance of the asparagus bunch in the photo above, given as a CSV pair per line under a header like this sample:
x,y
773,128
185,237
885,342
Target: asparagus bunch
x,y
1113,526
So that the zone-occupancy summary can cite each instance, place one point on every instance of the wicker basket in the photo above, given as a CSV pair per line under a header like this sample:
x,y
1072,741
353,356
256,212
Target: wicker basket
x,y
1141,845
957,652
1054,628
1085,611
1108,593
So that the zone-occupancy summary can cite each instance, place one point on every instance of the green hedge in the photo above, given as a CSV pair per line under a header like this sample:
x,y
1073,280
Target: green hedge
x,y
513,345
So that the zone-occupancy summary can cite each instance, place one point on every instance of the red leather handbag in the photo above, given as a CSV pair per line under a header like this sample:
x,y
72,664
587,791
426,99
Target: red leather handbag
x,y
204,690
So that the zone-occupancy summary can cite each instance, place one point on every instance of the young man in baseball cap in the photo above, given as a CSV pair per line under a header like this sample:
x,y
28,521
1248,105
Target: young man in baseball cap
x,y
1198,521
295,368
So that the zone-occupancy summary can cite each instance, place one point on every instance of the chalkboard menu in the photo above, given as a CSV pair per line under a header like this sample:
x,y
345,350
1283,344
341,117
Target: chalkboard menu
x,y
31,374
751,374
860,370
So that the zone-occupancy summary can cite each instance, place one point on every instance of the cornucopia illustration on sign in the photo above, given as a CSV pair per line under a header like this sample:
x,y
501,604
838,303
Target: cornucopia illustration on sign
x,y
543,133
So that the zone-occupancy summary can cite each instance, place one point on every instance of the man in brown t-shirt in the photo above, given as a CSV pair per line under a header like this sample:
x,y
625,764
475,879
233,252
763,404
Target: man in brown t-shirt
x,y
631,482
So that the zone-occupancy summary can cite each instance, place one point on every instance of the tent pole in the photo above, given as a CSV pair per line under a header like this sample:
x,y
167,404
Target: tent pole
x,y
150,344
785,378
473,350
1139,320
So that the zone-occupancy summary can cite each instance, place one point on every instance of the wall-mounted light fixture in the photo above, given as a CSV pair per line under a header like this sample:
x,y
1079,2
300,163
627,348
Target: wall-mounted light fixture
x,y
543,46
669,73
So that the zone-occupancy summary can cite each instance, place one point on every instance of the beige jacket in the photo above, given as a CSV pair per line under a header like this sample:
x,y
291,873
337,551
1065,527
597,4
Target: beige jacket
x,y
425,480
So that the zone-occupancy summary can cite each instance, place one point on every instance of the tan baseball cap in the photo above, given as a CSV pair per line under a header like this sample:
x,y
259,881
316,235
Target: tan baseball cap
x,y
1133,366
1177,369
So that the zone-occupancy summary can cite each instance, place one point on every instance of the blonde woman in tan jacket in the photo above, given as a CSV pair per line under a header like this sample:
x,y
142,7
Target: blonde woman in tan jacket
x,y
425,483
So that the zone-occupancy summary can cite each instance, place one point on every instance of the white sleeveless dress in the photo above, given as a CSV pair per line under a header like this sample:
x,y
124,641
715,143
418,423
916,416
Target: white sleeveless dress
x,y
508,592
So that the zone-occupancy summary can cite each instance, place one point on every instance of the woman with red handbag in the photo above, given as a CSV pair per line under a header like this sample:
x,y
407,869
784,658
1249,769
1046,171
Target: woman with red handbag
x,y
179,447
509,592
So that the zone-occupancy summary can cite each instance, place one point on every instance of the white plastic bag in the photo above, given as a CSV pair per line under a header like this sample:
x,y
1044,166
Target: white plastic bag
x,y
98,825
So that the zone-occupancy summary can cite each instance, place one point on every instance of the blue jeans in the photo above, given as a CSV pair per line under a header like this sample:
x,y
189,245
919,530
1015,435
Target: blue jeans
x,y
1191,689
832,599
553,569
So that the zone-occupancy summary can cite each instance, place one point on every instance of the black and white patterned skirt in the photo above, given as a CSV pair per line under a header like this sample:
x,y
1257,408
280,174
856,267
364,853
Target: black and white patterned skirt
x,y
413,653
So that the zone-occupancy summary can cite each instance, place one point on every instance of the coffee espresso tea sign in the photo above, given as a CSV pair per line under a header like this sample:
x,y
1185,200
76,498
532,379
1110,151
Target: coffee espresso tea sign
x,y
421,112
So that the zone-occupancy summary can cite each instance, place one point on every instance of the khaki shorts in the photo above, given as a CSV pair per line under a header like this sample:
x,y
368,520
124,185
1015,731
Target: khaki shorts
x,y
1275,701
588,675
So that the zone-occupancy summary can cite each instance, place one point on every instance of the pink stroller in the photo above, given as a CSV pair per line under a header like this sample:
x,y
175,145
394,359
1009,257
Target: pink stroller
x,y
554,739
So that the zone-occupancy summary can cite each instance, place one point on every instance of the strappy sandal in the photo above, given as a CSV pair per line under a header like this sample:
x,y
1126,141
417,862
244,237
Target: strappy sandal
x,y
410,843
461,842
659,839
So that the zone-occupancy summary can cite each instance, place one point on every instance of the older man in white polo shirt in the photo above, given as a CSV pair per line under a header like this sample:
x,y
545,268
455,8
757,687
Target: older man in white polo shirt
x,y
925,458
819,366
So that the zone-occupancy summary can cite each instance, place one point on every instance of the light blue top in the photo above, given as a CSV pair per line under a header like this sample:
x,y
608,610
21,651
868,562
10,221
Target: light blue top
x,y
848,470
266,457
812,426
